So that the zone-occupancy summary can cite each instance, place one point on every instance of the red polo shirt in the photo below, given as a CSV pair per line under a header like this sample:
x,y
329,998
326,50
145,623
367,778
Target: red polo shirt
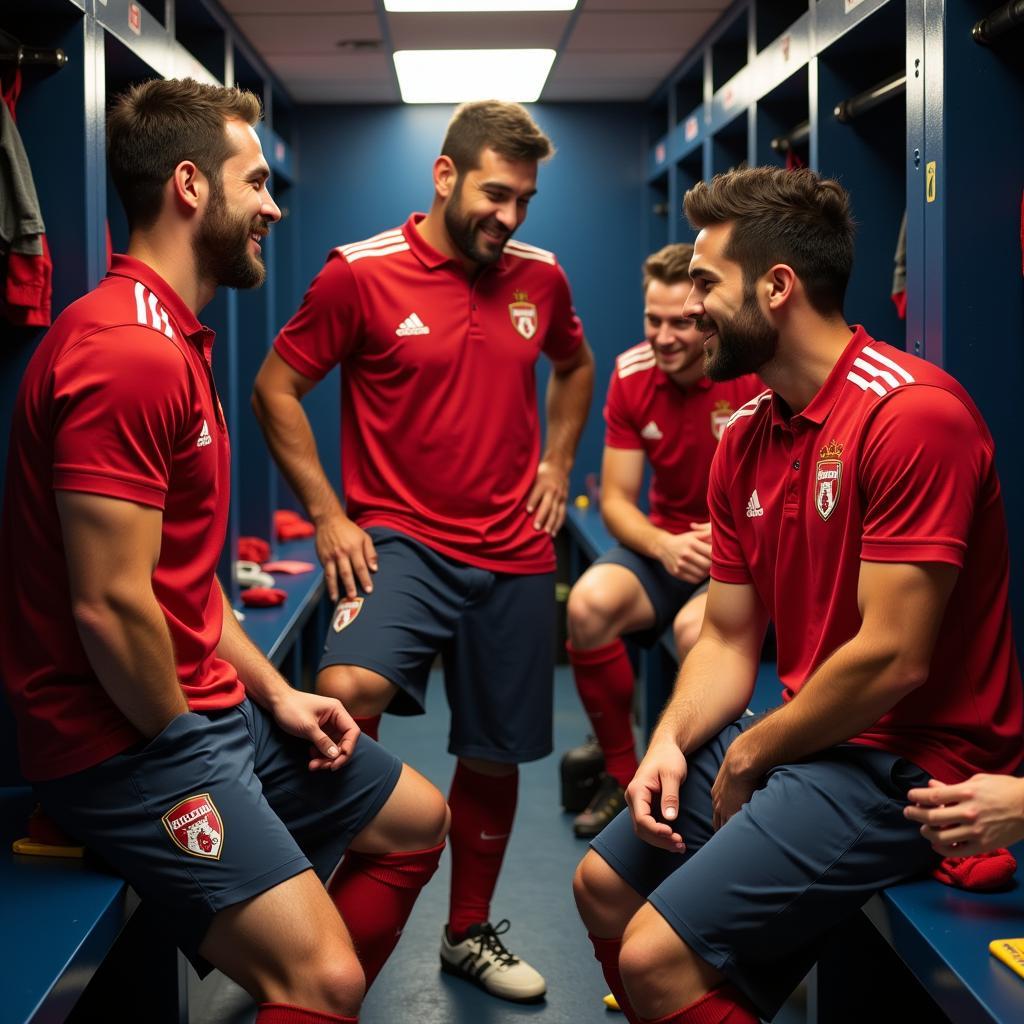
x,y
118,400
890,462
439,426
677,428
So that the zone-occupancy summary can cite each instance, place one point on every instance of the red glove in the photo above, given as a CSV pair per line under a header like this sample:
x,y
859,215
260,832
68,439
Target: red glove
x,y
263,597
983,872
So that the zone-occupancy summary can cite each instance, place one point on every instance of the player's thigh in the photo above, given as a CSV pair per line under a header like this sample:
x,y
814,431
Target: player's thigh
x,y
414,817
380,646
287,935
606,901
499,671
609,598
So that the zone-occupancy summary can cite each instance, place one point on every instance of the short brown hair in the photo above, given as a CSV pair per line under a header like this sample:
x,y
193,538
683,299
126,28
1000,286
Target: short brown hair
x,y
780,216
155,125
506,128
669,265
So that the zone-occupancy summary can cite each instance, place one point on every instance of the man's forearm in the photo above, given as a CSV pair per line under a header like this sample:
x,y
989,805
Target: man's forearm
x,y
568,402
629,526
290,440
713,689
849,692
129,648
261,680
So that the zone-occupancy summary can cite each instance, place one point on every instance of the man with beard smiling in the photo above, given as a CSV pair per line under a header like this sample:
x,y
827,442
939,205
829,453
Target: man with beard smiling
x,y
444,542
662,406
154,732
856,504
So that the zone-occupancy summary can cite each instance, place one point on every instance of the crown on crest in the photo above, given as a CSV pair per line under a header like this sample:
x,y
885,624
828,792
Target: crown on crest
x,y
833,450
519,296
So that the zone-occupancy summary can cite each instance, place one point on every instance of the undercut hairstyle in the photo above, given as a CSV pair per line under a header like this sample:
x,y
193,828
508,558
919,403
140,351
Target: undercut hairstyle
x,y
154,126
506,128
670,265
780,216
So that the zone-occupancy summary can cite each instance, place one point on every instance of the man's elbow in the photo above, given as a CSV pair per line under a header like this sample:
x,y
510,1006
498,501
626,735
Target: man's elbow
x,y
906,673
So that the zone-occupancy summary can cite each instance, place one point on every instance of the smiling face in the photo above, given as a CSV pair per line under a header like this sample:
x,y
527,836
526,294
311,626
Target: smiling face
x,y
737,337
677,342
487,204
238,215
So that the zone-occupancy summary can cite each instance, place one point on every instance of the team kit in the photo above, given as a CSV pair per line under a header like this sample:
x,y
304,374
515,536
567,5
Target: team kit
x,y
807,482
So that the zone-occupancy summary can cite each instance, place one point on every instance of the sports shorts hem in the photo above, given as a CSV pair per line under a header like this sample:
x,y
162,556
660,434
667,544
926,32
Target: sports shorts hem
x,y
501,756
408,688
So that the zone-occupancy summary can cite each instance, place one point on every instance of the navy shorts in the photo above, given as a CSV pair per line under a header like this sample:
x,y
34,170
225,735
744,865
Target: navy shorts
x,y
217,808
495,633
667,593
755,898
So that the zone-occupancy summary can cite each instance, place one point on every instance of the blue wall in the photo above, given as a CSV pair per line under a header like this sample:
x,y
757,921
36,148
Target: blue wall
x,y
363,169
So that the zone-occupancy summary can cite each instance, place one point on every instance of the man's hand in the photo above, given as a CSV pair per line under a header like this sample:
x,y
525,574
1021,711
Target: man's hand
x,y
654,794
737,779
347,554
546,502
984,813
323,721
687,556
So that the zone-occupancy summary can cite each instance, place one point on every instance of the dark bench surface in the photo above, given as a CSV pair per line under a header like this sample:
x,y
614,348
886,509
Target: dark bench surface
x,y
271,629
59,919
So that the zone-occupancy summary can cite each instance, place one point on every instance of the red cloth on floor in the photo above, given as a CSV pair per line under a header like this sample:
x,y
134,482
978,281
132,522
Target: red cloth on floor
x,y
375,894
263,597
253,549
983,872
290,525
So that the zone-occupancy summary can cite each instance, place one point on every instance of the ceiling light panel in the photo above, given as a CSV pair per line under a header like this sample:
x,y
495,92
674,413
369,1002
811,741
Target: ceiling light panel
x,y
455,76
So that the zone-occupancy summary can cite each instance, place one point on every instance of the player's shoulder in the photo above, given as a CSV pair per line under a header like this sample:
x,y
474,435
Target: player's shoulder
x,y
374,249
519,251
636,360
748,414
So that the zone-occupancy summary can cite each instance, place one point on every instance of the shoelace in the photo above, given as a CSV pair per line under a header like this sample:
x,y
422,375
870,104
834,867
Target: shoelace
x,y
488,940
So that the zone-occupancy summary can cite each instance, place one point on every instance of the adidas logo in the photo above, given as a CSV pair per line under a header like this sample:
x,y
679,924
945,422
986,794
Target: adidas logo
x,y
754,506
651,432
412,324
204,436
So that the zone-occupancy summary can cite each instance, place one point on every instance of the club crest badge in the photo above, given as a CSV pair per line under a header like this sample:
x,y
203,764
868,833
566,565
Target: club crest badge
x,y
195,826
346,612
828,476
524,315
720,416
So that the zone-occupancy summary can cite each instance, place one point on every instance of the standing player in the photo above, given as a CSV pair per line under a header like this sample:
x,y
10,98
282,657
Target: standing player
x,y
857,504
444,543
152,729
660,405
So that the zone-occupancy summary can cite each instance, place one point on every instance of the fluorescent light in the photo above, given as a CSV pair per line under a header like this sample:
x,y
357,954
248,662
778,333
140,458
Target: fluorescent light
x,y
455,76
432,6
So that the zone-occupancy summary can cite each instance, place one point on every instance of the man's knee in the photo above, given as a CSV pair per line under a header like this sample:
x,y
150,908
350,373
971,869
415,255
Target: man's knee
x,y
686,627
414,817
335,981
362,692
606,902
591,613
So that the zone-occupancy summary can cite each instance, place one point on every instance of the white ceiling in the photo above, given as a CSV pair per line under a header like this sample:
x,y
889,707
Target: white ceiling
x,y
607,49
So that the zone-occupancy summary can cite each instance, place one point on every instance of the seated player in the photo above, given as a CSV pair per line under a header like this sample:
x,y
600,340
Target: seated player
x,y
662,409
857,504
154,732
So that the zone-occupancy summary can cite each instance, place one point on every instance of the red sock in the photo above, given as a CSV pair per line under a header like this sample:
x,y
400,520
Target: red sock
x,y
483,807
981,872
604,679
370,725
607,953
282,1013
722,1005
375,894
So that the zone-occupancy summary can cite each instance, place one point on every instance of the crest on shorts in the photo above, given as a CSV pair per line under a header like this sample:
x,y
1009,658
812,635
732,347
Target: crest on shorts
x,y
720,416
195,826
827,479
524,315
346,612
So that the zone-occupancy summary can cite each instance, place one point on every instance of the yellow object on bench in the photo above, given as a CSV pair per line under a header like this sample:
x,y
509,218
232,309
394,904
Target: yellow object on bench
x,y
1011,952
45,839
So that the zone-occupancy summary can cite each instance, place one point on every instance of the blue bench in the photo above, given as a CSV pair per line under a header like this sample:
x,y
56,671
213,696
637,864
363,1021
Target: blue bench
x,y
63,920
939,934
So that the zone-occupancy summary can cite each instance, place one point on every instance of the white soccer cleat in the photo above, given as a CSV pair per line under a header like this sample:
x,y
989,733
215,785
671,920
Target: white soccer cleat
x,y
482,958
